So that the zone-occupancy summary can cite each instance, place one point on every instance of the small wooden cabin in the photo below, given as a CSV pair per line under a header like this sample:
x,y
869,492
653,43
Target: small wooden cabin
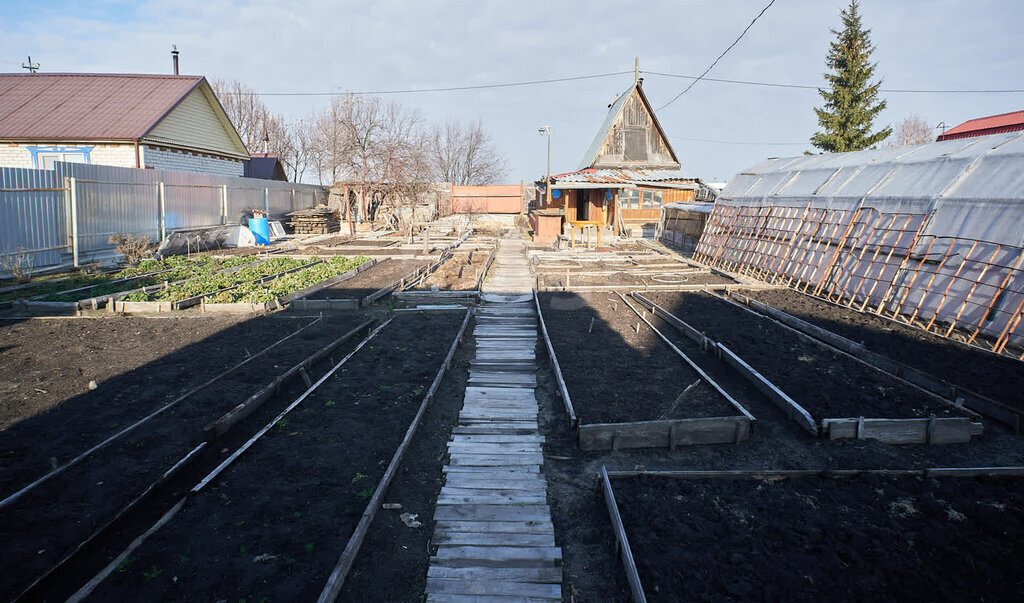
x,y
627,174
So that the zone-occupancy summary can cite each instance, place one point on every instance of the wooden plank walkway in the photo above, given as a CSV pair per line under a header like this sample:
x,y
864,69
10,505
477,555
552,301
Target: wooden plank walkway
x,y
492,524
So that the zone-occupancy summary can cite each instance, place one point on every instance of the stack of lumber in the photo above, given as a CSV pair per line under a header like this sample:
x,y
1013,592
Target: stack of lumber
x,y
318,220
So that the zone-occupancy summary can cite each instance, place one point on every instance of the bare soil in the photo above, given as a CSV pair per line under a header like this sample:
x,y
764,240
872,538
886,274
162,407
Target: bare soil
x,y
807,539
49,521
625,279
45,362
458,273
370,280
615,374
826,383
275,523
998,377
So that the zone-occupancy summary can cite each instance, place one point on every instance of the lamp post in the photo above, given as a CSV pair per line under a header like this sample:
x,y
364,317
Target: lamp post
x,y
547,178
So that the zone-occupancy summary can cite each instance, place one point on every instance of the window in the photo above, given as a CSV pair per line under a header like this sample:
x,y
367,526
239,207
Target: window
x,y
652,199
629,199
43,158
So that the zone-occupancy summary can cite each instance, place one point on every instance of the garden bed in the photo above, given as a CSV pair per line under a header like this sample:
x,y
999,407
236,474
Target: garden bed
x,y
833,388
997,377
275,522
463,271
626,279
628,387
364,288
91,491
864,538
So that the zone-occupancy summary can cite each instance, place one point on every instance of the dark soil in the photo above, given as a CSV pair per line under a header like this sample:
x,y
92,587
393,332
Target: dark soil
x,y
826,383
276,521
50,520
809,539
369,281
458,273
46,362
395,558
625,279
615,374
998,377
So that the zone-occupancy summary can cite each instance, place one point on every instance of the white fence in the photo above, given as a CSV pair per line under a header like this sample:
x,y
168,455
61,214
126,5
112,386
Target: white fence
x,y
66,215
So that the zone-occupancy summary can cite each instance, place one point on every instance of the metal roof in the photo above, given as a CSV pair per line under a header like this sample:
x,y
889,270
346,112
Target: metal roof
x,y
994,124
622,176
87,106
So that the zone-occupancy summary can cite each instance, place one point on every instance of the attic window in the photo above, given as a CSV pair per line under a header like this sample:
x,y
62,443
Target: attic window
x,y
636,143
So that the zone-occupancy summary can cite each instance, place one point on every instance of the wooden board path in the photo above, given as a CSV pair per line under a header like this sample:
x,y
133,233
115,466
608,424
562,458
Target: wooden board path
x,y
492,524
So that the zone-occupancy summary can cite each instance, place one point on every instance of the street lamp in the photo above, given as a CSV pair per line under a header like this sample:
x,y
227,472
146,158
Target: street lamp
x,y
547,179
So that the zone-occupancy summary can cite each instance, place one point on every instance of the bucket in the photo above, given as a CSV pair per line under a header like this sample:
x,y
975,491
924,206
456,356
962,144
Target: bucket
x,y
261,230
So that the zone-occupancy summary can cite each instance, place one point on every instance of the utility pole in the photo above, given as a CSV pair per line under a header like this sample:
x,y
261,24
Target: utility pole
x,y
32,67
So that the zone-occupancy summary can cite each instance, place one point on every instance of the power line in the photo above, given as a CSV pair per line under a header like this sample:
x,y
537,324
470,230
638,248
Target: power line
x,y
809,87
448,89
726,51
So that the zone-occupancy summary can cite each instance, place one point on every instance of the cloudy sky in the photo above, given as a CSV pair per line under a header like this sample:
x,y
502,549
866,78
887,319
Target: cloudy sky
x,y
717,129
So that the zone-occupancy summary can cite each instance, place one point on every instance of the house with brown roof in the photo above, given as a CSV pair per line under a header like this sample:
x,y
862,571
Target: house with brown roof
x,y
168,122
983,126
629,171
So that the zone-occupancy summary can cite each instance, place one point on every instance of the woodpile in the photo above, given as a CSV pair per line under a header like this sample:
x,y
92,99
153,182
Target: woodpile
x,y
318,220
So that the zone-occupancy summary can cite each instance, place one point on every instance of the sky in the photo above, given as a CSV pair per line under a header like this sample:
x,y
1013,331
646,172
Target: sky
x,y
717,129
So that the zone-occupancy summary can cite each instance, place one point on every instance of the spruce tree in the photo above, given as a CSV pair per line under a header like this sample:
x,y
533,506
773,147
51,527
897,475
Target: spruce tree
x,y
851,102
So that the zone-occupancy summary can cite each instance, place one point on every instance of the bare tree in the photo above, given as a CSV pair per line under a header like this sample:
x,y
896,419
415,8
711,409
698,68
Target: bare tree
x,y
912,130
465,154
245,109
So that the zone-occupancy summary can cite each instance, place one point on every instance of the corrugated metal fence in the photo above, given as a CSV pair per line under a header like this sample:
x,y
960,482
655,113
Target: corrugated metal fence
x,y
67,214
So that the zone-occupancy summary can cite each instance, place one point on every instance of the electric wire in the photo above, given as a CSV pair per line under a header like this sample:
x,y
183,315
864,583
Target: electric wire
x,y
724,52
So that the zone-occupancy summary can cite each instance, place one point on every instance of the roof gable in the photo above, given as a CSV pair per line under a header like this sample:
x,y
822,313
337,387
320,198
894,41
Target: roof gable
x,y
198,122
71,106
631,137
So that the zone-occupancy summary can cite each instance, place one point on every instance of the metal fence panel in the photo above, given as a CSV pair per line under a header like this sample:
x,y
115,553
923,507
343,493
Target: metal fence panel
x,y
32,218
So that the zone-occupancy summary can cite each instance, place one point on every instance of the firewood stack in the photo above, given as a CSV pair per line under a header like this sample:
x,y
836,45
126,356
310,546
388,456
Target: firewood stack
x,y
318,220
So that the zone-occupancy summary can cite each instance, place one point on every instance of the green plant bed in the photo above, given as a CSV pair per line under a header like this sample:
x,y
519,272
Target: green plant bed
x,y
209,283
148,272
289,283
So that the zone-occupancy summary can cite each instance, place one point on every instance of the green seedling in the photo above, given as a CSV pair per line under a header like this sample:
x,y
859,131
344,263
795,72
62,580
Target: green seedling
x,y
309,547
359,476
297,514
184,558
243,549
366,492
153,573
282,423
329,403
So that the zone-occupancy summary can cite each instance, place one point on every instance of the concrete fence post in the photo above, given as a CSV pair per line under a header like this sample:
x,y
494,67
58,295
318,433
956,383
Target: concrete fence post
x,y
163,217
73,184
224,204
266,201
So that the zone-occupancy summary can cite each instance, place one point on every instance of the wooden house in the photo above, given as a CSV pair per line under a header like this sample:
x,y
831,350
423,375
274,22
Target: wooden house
x,y
629,171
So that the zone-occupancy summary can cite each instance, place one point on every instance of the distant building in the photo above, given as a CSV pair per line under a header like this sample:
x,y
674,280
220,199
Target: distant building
x,y
266,166
169,122
629,171
995,124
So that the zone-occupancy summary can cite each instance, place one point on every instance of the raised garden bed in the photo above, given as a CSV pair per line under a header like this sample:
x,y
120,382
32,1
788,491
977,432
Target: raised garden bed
x,y
862,538
365,288
464,271
194,291
628,387
82,497
627,279
955,370
841,396
276,522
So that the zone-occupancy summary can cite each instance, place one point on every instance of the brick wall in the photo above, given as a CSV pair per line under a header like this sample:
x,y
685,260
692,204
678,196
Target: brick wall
x,y
17,156
122,155
179,161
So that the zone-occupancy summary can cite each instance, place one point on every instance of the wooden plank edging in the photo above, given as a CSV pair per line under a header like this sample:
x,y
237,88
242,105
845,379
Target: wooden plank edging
x,y
566,400
621,540
337,578
668,433
1012,471
793,410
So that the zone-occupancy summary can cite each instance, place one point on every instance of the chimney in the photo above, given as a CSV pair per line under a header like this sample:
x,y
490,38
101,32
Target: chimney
x,y
174,58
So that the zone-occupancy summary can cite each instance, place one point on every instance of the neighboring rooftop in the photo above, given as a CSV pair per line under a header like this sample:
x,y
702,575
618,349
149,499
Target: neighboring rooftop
x,y
994,124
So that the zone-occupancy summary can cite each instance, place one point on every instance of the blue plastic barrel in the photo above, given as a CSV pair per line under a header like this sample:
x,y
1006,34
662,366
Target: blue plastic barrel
x,y
260,228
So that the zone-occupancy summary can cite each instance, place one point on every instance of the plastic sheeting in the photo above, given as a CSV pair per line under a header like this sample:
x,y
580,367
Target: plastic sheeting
x,y
930,234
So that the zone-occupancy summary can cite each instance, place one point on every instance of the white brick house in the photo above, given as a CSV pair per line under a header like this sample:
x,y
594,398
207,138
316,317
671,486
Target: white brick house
x,y
170,122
